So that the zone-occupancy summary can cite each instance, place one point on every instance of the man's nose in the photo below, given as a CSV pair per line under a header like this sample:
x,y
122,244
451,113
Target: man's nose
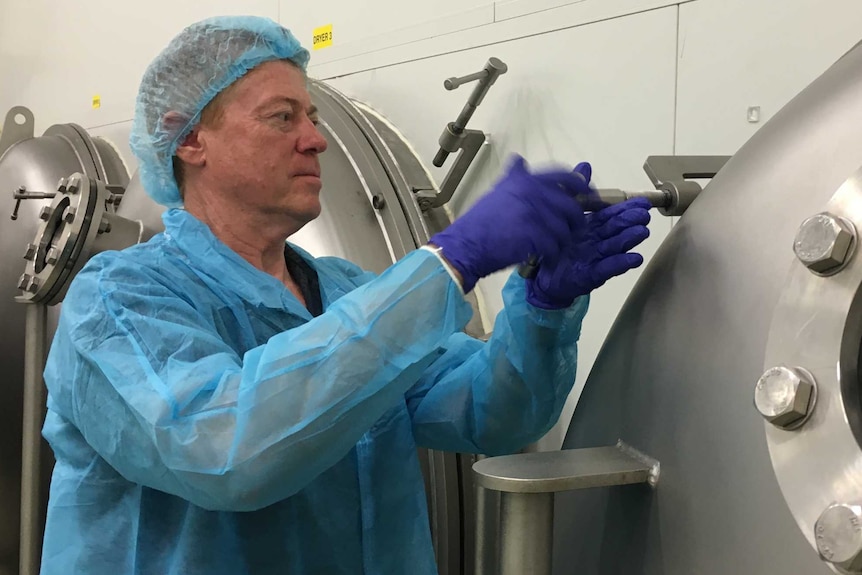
x,y
311,139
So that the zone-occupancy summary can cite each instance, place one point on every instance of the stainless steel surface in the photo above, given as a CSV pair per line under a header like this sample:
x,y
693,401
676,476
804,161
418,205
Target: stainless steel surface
x,y
817,323
35,164
675,375
527,484
554,471
786,396
838,532
486,530
526,533
824,243
32,516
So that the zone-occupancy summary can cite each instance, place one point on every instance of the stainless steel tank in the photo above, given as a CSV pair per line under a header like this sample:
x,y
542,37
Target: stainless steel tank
x,y
30,164
727,297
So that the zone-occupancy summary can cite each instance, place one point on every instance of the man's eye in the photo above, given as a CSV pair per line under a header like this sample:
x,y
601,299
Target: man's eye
x,y
315,120
284,116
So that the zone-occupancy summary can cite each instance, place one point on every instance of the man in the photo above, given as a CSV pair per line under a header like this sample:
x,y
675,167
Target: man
x,y
222,402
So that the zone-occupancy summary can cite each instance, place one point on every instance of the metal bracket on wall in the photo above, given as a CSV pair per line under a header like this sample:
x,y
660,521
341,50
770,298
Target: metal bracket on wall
x,y
456,137
527,483
18,126
674,174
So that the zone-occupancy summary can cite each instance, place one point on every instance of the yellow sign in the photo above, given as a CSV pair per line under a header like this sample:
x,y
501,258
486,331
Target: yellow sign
x,y
97,102
322,37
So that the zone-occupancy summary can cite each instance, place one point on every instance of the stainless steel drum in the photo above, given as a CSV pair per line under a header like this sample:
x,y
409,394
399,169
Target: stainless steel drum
x,y
739,287
30,166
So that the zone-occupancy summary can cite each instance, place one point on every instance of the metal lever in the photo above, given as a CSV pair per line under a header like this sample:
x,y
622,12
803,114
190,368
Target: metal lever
x,y
456,137
22,194
487,77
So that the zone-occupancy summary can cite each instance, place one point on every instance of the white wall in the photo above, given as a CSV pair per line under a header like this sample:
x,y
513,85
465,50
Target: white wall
x,y
609,81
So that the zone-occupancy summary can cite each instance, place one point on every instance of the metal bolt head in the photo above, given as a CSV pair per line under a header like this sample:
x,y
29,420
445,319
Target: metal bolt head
x,y
69,216
783,396
104,226
52,257
73,185
45,213
33,285
823,243
62,184
838,533
23,281
30,253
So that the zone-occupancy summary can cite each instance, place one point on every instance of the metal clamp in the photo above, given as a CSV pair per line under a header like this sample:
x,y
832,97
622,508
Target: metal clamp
x,y
528,482
457,137
673,175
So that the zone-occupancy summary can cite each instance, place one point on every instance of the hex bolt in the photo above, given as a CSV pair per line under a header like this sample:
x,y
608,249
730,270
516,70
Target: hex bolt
x,y
62,185
73,185
30,253
69,216
785,396
45,213
33,285
104,227
52,257
823,243
838,533
23,281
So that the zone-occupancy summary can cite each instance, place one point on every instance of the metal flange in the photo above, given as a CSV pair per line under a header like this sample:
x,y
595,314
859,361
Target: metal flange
x,y
817,328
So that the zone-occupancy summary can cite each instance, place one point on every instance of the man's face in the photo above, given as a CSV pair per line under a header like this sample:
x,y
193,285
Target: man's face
x,y
263,152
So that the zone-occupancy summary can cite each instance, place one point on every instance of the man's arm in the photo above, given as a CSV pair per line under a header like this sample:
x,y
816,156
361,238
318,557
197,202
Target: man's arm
x,y
497,397
156,392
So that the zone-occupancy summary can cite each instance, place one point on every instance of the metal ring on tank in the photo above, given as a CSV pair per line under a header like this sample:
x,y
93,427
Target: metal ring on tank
x,y
817,326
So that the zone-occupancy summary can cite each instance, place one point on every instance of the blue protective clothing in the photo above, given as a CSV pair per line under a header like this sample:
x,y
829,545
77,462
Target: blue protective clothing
x,y
200,62
203,421
524,214
596,256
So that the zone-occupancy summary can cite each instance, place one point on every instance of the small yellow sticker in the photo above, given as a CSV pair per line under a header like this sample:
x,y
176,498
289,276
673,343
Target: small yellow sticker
x,y
322,37
97,102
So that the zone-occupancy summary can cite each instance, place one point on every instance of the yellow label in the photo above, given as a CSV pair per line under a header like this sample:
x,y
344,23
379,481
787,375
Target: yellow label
x,y
322,37
97,102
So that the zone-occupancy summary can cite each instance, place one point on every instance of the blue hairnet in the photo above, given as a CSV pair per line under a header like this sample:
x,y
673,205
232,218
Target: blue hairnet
x,y
199,63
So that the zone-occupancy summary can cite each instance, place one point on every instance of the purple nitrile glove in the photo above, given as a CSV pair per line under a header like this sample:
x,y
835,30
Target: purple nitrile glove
x,y
591,260
524,214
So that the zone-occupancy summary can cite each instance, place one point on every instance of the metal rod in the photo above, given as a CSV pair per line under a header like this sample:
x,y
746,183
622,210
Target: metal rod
x,y
527,530
452,83
35,347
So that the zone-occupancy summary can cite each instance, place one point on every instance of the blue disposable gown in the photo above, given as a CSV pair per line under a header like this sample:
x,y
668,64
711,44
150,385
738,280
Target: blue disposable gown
x,y
204,422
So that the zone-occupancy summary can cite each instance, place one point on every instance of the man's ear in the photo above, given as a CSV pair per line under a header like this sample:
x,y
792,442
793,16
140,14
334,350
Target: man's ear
x,y
191,150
